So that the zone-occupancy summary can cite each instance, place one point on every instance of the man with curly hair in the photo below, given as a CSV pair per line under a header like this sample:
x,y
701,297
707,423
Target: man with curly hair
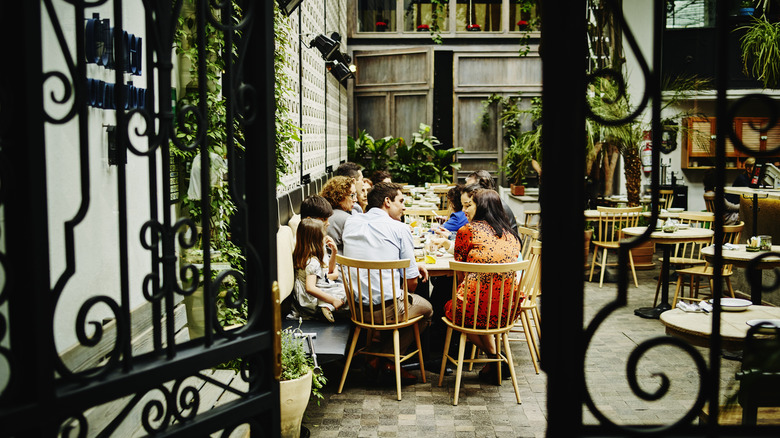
x,y
341,193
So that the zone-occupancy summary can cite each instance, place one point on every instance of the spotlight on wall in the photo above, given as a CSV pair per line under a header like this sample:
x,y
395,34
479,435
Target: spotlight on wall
x,y
340,71
327,46
288,6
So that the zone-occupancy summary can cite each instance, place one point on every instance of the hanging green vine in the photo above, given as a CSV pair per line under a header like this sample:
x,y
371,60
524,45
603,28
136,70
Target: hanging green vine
x,y
287,133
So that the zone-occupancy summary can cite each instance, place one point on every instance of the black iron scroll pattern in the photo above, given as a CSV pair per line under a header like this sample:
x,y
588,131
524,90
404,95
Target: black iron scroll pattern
x,y
651,94
6,358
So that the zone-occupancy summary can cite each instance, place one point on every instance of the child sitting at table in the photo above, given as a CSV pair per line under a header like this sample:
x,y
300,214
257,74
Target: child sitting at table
x,y
315,288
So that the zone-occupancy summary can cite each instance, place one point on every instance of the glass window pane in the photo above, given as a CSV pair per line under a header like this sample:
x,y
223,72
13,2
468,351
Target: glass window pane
x,y
419,15
524,16
376,16
690,13
478,15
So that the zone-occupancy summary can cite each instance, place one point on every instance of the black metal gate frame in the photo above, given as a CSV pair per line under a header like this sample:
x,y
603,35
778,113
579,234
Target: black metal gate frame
x,y
40,395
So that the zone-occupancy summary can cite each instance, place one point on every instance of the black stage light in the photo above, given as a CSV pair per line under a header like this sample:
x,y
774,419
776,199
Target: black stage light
x,y
341,71
328,47
288,6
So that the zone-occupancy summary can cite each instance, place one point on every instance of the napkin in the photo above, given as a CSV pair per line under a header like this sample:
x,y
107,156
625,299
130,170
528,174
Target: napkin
x,y
729,246
694,307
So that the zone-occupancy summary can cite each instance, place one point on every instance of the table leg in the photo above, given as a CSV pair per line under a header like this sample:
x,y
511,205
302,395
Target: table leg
x,y
755,278
663,306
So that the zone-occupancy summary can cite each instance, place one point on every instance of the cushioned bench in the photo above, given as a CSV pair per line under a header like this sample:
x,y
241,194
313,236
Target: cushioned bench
x,y
330,342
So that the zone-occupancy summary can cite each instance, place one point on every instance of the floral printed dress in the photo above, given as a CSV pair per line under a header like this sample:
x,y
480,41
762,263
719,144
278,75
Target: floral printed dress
x,y
477,243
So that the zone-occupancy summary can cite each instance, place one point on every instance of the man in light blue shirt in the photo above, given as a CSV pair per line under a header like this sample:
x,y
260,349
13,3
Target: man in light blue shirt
x,y
379,234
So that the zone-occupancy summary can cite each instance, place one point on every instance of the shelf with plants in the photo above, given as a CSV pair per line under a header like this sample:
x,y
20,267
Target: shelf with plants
x,y
700,136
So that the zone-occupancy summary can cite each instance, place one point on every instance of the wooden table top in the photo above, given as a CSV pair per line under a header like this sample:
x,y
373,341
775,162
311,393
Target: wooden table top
x,y
696,327
679,236
741,257
748,191
441,267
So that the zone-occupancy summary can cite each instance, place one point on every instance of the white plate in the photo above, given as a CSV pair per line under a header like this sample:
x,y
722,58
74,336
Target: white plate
x,y
733,304
765,329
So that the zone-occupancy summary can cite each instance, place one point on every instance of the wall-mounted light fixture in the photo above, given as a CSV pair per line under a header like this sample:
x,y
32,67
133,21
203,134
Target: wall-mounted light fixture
x,y
326,45
340,70
288,6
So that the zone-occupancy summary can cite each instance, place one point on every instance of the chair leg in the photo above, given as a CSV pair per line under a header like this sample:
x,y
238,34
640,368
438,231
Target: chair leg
x,y
350,355
633,270
731,289
397,361
677,291
472,356
511,367
603,268
530,340
529,317
419,351
459,368
593,264
445,358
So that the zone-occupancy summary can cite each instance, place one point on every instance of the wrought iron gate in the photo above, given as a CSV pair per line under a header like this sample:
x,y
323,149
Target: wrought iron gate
x,y
567,335
42,252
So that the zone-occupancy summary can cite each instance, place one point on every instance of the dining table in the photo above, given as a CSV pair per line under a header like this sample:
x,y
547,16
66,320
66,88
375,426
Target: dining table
x,y
667,240
740,257
735,321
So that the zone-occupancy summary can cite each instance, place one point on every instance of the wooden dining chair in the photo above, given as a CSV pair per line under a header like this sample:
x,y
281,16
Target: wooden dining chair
x,y
611,222
485,277
695,274
709,201
532,218
666,198
352,270
528,236
528,322
425,213
687,254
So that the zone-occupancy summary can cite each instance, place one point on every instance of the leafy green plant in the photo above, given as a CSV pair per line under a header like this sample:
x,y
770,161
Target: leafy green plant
x,y
760,47
421,160
371,154
296,362
287,132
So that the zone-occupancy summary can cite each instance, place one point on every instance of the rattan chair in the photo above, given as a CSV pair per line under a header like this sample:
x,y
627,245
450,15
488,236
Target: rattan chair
x,y
352,270
509,296
611,222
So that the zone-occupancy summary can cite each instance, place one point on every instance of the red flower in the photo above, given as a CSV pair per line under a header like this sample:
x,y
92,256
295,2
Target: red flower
x,y
473,27
522,23
381,23
423,27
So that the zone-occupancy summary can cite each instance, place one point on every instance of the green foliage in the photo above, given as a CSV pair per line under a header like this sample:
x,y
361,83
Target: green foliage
x,y
371,154
522,146
421,161
296,362
761,51
287,133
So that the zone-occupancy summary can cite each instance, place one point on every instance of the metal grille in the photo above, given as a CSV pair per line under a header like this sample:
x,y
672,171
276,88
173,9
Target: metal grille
x,y
91,239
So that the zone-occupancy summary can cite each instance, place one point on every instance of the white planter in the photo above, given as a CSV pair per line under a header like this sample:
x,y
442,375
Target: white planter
x,y
294,397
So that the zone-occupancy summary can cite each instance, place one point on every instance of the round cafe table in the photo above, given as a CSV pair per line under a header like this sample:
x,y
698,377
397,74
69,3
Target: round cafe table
x,y
741,258
667,242
696,327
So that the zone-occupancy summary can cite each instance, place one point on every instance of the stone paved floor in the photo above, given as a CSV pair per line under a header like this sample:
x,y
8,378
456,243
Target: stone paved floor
x,y
363,410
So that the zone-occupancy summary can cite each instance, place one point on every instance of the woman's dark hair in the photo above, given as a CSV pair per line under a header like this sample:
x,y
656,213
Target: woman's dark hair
x,y
317,207
489,209
380,175
453,195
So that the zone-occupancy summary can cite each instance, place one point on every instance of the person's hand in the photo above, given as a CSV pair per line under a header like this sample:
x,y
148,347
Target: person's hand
x,y
423,272
331,244
337,303
443,232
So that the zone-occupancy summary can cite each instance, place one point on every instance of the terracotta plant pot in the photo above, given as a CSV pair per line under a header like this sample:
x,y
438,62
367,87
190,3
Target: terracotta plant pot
x,y
517,190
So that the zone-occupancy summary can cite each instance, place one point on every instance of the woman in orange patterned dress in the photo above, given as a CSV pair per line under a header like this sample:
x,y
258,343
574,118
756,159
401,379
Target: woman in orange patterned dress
x,y
487,238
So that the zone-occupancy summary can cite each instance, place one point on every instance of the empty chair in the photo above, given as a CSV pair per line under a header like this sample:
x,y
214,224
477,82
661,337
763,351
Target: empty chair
x,y
695,274
497,291
665,198
611,222
532,218
363,310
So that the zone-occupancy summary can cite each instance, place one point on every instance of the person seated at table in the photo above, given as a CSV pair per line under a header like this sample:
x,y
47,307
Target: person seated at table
x,y
381,176
340,192
317,207
743,179
731,215
484,179
457,217
379,234
487,238
355,171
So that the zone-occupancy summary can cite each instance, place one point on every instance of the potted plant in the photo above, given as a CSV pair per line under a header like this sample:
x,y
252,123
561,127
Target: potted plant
x,y
760,47
423,28
522,25
746,8
381,26
297,383
473,27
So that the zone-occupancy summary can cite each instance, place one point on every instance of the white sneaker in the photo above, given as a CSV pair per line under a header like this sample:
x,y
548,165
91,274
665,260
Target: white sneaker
x,y
328,314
